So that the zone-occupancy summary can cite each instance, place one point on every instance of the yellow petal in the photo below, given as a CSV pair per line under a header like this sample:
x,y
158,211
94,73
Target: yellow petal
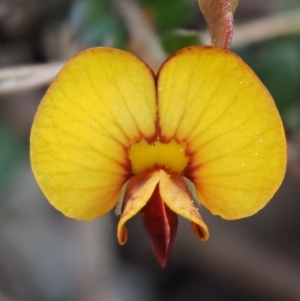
x,y
175,194
100,102
211,100
138,192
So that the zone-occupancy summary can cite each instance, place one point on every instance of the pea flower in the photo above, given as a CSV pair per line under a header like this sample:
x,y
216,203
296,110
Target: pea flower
x,y
203,128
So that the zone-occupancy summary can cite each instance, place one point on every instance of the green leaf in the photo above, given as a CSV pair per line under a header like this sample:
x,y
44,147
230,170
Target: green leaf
x,y
10,155
97,24
175,40
277,63
279,69
291,117
170,14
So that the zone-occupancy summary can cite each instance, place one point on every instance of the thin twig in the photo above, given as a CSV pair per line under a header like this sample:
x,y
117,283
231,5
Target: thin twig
x,y
259,30
267,28
143,40
18,79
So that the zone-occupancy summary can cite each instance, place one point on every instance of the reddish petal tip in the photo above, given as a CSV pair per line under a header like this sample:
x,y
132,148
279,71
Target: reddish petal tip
x,y
161,258
161,224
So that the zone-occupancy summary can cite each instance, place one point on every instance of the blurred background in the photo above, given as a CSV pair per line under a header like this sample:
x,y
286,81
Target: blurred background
x,y
46,256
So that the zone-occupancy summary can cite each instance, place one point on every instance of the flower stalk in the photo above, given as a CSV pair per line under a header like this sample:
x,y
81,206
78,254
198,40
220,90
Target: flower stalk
x,y
219,17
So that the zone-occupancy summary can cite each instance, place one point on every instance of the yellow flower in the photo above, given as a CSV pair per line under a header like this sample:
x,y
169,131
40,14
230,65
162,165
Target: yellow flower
x,y
108,122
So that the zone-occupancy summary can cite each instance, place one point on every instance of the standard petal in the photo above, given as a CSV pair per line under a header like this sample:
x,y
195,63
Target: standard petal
x,y
175,194
230,124
102,100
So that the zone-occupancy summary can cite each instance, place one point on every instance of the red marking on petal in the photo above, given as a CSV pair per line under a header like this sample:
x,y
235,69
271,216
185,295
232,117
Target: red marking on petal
x,y
161,224
191,169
